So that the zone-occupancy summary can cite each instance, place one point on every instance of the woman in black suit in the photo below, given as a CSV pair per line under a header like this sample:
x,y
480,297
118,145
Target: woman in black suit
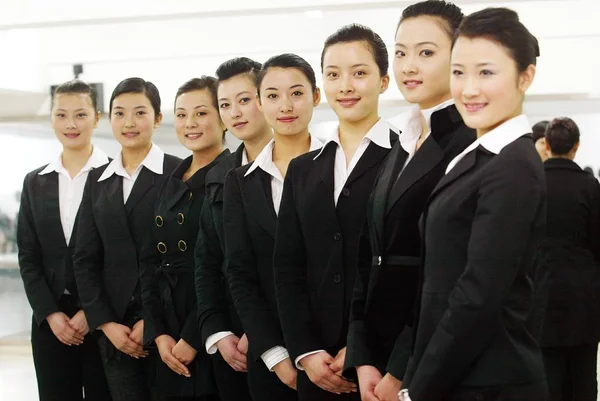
x,y
323,210
222,332
167,261
431,134
65,353
482,226
118,202
569,269
288,93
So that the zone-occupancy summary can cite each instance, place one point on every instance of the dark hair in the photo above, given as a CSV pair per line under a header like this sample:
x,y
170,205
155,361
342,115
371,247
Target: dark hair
x,y
76,86
237,66
288,60
588,169
360,33
138,85
197,84
502,26
562,134
450,14
539,130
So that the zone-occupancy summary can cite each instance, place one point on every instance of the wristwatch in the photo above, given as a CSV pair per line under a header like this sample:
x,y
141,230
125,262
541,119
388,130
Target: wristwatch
x,y
403,395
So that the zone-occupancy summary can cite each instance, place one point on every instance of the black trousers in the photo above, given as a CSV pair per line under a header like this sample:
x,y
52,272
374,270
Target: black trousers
x,y
66,373
571,372
537,391
265,385
308,391
232,385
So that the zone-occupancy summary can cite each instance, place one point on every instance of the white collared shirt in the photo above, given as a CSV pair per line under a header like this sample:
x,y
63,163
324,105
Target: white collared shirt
x,y
264,161
498,138
409,125
153,162
244,157
379,134
70,190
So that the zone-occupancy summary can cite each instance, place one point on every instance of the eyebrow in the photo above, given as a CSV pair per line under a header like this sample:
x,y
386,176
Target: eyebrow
x,y
197,107
136,107
81,109
419,44
291,87
354,66
477,65
241,93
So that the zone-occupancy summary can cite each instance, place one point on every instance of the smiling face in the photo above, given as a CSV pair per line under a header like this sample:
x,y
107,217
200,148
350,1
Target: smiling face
x,y
197,122
238,107
133,120
287,100
74,119
422,61
486,84
352,81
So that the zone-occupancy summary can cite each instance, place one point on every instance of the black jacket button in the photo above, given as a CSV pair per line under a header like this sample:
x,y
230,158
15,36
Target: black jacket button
x,y
337,278
337,236
346,192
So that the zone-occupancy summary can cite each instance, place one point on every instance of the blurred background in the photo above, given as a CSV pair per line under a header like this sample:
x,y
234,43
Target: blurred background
x,y
44,43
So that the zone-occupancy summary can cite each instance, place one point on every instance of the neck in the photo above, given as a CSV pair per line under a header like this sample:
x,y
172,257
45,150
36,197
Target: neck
x,y
74,160
517,112
204,157
255,145
357,130
288,147
133,157
567,156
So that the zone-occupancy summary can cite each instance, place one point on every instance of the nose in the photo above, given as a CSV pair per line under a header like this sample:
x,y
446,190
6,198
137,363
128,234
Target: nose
x,y
346,84
286,104
235,111
129,122
470,88
70,123
190,122
409,67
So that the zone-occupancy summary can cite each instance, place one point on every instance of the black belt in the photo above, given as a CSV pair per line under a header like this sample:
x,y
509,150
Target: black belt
x,y
396,260
167,276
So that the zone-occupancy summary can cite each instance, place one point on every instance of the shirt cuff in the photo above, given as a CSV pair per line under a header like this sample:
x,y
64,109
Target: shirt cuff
x,y
297,361
403,395
211,341
273,356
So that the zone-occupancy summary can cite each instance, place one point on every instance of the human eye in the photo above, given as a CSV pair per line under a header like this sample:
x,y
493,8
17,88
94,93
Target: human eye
x,y
244,100
332,74
201,113
224,105
141,113
486,72
180,115
400,53
427,53
457,72
297,93
271,96
81,115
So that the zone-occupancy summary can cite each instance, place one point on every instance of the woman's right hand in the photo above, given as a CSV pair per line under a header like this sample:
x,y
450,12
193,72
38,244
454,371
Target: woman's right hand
x,y
118,335
59,324
165,344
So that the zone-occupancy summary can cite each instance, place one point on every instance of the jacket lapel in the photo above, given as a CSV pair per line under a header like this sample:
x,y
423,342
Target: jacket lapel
x,y
262,206
371,157
113,191
49,184
381,189
326,166
463,166
425,159
142,184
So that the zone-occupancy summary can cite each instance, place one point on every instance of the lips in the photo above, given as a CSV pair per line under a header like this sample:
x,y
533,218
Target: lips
x,y
71,135
193,135
240,124
287,120
348,102
474,107
412,83
130,134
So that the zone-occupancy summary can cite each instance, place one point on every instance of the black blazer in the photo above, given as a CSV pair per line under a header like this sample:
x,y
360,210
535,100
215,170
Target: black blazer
x,y
167,274
45,259
315,259
110,236
482,227
390,248
250,222
568,268
216,312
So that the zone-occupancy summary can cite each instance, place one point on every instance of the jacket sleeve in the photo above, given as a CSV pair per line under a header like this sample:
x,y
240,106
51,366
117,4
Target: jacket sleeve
x,y
594,218
290,273
510,198
357,349
258,317
88,264
212,305
38,292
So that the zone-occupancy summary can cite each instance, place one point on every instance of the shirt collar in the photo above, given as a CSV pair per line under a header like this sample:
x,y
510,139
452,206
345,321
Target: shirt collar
x,y
498,138
153,162
409,124
264,160
98,158
379,134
